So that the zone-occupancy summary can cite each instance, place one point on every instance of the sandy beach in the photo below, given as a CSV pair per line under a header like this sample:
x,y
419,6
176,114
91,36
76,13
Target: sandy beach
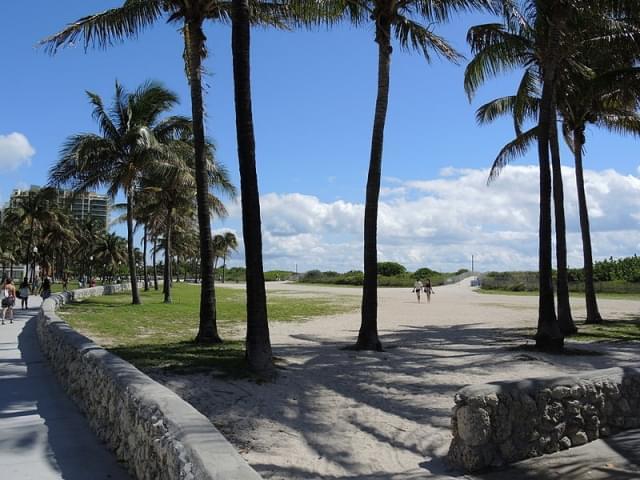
x,y
339,414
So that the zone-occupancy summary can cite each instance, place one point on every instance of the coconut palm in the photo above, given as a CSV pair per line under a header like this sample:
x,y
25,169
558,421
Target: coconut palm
x,y
31,213
524,105
170,191
102,30
128,143
607,99
111,250
547,36
223,244
603,92
399,22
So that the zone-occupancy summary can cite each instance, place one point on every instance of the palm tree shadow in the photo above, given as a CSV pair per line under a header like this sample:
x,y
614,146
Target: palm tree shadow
x,y
403,395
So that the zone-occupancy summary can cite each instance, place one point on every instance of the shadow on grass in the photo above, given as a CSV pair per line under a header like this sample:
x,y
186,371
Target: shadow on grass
x,y
187,357
625,329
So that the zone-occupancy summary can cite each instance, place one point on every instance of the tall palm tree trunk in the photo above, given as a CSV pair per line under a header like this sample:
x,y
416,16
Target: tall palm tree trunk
x,y
194,44
155,268
565,319
368,335
224,265
135,295
593,314
144,259
167,258
548,335
258,343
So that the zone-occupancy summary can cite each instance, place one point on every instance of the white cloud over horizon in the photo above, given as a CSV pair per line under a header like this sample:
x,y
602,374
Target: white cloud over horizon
x,y
440,223
15,151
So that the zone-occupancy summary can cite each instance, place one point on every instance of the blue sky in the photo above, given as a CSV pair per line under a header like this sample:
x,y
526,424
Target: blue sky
x,y
314,94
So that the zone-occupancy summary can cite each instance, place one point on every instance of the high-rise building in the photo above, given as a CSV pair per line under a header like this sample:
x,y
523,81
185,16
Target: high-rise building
x,y
83,206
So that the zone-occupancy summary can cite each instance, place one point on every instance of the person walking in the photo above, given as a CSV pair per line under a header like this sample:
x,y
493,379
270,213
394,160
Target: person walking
x,y
8,300
45,289
428,290
24,293
417,288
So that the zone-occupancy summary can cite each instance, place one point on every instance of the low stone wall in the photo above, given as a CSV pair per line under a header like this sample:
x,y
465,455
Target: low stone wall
x,y
153,431
501,423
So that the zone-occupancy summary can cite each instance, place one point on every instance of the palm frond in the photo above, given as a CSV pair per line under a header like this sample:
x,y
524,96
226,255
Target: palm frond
x,y
104,29
413,36
512,150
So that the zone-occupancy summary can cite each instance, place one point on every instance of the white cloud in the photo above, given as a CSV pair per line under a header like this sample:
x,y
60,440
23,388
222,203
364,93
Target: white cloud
x,y
15,151
440,223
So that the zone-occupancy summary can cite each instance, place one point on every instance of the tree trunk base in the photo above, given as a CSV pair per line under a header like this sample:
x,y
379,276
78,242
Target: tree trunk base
x,y
373,345
547,343
594,319
569,330
567,325
208,339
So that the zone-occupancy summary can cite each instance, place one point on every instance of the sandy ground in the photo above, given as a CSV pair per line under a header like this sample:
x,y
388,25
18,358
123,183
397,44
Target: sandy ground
x,y
333,413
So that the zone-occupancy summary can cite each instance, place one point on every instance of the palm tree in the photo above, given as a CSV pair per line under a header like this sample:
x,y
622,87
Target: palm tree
x,y
111,250
127,144
223,244
521,106
102,30
170,191
391,20
606,98
31,212
526,104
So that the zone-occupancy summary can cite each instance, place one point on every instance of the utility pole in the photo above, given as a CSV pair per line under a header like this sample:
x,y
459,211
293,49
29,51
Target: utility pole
x,y
472,263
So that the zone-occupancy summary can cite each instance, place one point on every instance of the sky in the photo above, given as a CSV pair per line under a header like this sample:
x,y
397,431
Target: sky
x,y
313,102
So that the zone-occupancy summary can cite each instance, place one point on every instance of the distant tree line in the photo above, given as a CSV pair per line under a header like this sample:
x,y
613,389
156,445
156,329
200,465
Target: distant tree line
x,y
620,275
390,274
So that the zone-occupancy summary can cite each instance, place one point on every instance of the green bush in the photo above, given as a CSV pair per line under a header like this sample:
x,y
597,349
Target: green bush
x,y
390,269
277,275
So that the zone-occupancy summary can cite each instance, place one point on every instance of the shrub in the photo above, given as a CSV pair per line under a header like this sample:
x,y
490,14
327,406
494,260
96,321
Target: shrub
x,y
389,269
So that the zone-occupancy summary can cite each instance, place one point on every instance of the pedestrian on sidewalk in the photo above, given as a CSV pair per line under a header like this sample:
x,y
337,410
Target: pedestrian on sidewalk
x,y
8,300
45,289
24,293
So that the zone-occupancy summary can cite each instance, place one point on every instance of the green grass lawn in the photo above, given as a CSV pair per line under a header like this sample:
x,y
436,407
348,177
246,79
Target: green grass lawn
x,y
57,287
608,295
609,330
156,335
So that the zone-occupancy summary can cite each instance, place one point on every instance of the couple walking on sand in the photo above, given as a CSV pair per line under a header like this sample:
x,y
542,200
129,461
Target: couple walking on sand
x,y
419,287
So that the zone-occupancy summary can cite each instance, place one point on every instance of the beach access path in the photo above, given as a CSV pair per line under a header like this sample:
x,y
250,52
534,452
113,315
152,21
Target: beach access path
x,y
43,435
339,414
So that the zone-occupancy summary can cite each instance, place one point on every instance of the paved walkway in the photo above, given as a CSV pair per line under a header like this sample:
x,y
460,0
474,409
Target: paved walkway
x,y
43,435
613,458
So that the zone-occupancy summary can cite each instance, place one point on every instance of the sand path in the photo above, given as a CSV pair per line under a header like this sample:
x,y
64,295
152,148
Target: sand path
x,y
359,415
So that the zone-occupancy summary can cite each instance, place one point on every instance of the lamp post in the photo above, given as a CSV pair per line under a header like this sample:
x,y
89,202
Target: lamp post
x,y
90,265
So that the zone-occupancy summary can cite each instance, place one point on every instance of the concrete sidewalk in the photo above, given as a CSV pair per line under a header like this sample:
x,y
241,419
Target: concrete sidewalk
x,y
613,458
43,435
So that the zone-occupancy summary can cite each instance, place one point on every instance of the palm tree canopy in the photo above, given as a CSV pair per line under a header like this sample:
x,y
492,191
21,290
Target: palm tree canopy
x,y
131,138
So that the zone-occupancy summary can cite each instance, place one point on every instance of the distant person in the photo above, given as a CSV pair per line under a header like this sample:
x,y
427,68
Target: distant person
x,y
8,300
65,282
24,293
417,288
428,290
45,289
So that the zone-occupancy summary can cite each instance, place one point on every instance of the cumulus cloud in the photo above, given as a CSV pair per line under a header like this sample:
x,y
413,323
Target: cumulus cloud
x,y
15,151
440,223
